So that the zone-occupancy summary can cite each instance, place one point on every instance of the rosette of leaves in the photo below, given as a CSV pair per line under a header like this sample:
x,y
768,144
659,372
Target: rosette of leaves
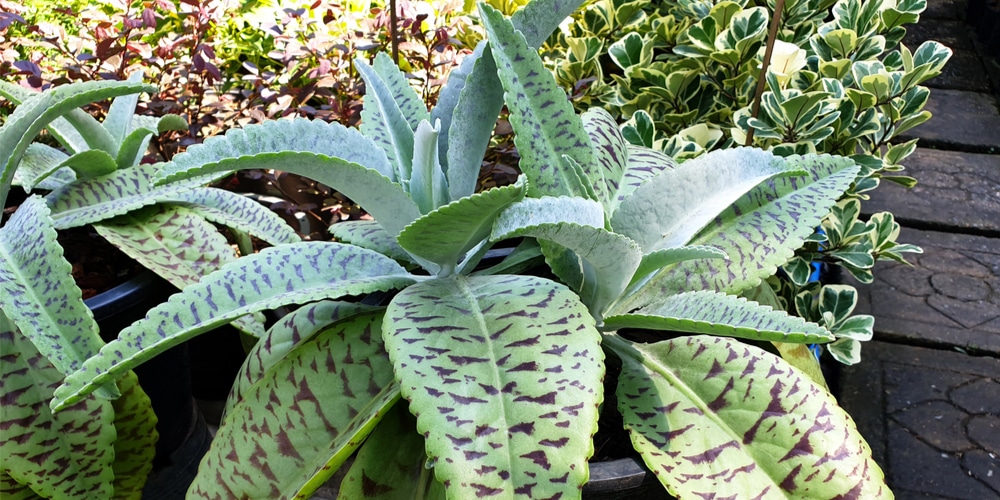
x,y
46,330
503,372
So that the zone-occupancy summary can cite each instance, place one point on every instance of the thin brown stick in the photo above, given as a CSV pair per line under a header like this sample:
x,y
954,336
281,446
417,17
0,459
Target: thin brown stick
x,y
772,35
393,35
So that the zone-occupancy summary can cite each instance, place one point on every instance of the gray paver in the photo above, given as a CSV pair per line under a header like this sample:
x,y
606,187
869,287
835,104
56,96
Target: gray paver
x,y
957,190
911,403
963,121
965,70
950,296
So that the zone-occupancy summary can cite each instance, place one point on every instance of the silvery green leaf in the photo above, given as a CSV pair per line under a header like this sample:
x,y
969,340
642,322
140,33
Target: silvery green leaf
x,y
369,234
236,211
383,122
38,164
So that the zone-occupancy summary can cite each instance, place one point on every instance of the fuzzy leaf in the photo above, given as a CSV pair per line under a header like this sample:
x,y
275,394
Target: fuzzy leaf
x,y
238,212
504,374
610,153
135,438
715,313
38,164
133,146
428,186
290,332
643,164
369,234
391,462
174,242
66,455
759,232
90,163
38,291
446,234
383,122
277,276
546,126
671,208
410,104
661,258
280,443
35,113
60,128
120,113
717,418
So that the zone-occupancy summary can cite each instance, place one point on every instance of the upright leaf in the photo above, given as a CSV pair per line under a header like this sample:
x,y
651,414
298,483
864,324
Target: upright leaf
x,y
410,104
544,122
503,374
610,153
720,405
383,122
277,276
275,440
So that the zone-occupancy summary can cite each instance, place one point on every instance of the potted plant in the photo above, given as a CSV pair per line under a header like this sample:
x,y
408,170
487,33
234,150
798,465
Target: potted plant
x,y
502,371
96,179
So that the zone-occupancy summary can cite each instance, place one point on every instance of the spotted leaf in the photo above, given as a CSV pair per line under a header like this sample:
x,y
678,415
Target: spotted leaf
x,y
382,119
715,418
545,125
277,276
445,235
297,424
504,375
369,234
135,438
291,331
40,167
669,209
659,259
61,129
238,212
715,313
390,463
610,153
759,232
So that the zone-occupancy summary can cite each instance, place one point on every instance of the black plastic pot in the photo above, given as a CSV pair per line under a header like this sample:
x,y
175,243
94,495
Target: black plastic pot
x,y
625,478
166,379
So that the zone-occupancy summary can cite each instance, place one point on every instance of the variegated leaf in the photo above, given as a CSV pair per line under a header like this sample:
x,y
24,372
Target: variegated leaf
x,y
277,276
38,291
410,104
446,234
661,258
759,232
92,200
383,122
135,438
545,125
731,421
369,234
36,112
290,332
504,375
643,164
66,455
714,313
38,163
174,242
297,424
13,490
671,208
610,153
391,464
238,212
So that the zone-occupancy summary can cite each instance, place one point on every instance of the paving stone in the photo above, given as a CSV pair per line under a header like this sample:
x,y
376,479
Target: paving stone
x,y
979,396
965,121
954,190
911,404
943,9
965,70
951,295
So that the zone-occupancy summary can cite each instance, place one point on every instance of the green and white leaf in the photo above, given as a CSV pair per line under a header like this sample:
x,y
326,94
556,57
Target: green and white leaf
x,y
671,208
545,125
276,441
446,234
277,276
713,313
503,373
720,405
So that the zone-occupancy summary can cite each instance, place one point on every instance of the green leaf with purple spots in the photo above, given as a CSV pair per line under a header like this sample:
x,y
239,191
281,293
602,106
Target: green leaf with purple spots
x,y
669,209
661,258
40,167
716,418
714,313
369,234
384,122
759,232
643,164
135,438
545,125
174,242
504,375
445,235
610,153
277,276
297,424
290,332
391,464
238,212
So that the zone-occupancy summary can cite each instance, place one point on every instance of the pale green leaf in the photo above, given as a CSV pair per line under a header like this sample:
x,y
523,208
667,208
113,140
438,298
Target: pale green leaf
x,y
661,258
277,276
383,122
715,417
410,104
120,113
369,234
504,374
545,125
610,154
236,211
314,403
671,208
90,163
714,313
446,234
428,186
135,438
643,164
38,163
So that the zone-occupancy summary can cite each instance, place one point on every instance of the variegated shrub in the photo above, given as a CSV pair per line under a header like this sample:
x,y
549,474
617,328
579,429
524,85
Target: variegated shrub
x,y
503,371
47,330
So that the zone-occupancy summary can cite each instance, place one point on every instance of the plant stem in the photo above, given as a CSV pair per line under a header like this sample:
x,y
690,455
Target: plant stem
x,y
772,34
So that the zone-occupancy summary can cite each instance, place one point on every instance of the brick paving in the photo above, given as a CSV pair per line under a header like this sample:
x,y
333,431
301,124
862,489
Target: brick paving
x,y
927,393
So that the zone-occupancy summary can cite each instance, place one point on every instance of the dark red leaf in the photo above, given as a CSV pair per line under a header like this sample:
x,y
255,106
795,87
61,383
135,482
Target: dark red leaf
x,y
149,18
